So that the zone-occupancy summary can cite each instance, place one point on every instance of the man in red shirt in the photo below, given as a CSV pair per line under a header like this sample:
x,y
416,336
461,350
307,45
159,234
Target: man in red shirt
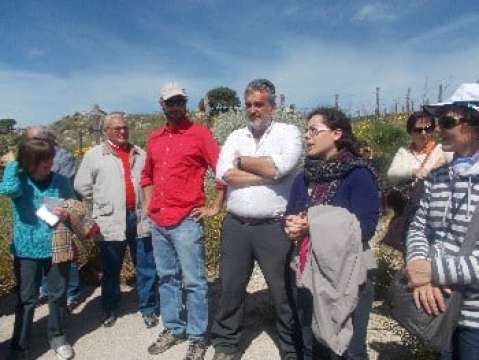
x,y
177,158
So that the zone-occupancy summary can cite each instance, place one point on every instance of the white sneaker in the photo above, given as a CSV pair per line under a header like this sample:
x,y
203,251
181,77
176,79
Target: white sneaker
x,y
65,352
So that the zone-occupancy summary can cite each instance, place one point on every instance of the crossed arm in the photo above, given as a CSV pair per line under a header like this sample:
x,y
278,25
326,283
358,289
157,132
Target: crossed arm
x,y
252,171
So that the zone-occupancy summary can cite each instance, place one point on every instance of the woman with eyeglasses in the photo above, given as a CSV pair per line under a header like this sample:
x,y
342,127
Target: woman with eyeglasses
x,y
423,155
336,175
441,222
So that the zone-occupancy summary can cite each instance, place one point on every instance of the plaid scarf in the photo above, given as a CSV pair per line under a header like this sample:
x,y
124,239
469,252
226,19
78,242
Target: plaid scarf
x,y
68,233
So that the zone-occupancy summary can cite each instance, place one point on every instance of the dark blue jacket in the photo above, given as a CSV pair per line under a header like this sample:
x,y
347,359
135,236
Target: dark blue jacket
x,y
357,192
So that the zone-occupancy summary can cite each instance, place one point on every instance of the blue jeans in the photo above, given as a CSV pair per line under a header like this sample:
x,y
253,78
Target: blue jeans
x,y
141,251
179,256
73,292
465,345
28,274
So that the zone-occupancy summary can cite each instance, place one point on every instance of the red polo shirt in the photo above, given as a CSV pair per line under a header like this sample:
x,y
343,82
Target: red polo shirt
x,y
176,162
124,155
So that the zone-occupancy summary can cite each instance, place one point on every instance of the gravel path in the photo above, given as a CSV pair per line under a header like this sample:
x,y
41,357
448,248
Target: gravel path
x,y
129,339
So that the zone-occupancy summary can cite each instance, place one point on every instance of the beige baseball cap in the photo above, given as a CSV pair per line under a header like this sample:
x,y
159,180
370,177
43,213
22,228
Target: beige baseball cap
x,y
170,90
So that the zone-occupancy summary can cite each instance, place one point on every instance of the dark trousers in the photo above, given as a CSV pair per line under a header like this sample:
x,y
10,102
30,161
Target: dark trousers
x,y
73,290
465,345
28,273
357,349
112,256
242,244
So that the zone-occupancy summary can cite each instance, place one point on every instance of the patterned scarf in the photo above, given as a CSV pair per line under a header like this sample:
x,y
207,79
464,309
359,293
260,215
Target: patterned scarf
x,y
326,176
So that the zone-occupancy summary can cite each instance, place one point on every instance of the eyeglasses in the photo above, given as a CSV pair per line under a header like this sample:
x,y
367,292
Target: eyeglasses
x,y
448,122
118,129
175,102
418,130
315,132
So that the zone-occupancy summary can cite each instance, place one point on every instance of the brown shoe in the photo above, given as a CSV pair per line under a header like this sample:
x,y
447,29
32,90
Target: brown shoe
x,y
196,350
164,341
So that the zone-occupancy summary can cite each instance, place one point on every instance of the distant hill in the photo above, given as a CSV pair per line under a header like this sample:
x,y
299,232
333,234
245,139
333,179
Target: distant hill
x,y
78,127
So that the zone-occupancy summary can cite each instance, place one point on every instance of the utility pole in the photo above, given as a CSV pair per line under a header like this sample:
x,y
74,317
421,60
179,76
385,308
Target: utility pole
x,y
408,98
96,116
336,101
80,141
377,102
439,95
396,107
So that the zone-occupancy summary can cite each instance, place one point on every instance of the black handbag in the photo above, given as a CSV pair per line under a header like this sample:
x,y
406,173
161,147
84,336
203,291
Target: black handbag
x,y
435,331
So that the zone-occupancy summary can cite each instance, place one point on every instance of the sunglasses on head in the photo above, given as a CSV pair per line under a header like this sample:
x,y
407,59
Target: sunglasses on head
x,y
175,102
418,130
448,122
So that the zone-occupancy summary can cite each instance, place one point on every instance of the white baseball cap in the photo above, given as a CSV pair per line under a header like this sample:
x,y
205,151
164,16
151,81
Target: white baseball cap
x,y
171,89
467,95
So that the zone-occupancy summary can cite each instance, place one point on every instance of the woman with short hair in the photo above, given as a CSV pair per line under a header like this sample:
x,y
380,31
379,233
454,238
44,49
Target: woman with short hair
x,y
28,182
423,154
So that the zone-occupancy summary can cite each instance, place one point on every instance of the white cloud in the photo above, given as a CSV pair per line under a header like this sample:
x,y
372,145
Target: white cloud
x,y
32,97
308,71
35,52
311,72
374,12
465,23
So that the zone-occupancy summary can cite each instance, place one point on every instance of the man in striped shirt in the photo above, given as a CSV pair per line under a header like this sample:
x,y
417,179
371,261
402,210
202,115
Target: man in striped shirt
x,y
440,224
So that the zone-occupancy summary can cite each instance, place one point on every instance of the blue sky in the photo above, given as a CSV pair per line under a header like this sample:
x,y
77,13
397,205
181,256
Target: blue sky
x,y
58,57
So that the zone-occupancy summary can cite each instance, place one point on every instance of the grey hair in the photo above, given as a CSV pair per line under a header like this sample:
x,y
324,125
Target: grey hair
x,y
263,85
112,115
41,132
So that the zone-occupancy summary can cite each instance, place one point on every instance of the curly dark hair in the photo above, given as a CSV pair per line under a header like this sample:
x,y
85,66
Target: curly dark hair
x,y
415,116
336,119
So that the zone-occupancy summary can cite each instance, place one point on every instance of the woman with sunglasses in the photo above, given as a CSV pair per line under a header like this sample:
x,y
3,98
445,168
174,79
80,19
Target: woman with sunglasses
x,y
334,174
441,222
422,156
409,167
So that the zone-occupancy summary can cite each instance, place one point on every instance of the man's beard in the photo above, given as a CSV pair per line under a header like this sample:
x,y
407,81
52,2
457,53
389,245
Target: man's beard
x,y
259,126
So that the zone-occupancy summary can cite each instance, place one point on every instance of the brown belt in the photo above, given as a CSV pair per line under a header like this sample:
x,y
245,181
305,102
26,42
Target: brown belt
x,y
254,221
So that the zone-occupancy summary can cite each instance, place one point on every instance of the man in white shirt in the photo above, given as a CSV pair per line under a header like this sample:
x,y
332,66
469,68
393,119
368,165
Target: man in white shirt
x,y
257,163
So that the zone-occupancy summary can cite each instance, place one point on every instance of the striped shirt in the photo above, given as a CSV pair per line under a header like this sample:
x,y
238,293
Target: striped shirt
x,y
438,230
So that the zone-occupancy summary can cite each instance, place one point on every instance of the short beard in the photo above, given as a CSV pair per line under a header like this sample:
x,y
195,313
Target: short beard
x,y
259,127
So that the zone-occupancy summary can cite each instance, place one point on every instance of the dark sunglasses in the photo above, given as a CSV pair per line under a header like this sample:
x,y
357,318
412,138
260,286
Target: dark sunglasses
x,y
418,130
175,102
448,122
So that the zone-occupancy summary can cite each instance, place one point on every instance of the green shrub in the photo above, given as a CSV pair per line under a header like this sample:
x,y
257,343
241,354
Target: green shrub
x,y
7,280
385,136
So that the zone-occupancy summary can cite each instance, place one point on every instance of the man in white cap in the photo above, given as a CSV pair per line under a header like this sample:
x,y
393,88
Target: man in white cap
x,y
177,157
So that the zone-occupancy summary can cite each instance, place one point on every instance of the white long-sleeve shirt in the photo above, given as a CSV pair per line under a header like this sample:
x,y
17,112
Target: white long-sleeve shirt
x,y
282,142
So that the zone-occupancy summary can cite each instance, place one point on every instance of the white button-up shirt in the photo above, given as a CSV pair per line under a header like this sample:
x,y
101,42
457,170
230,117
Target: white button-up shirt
x,y
282,142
